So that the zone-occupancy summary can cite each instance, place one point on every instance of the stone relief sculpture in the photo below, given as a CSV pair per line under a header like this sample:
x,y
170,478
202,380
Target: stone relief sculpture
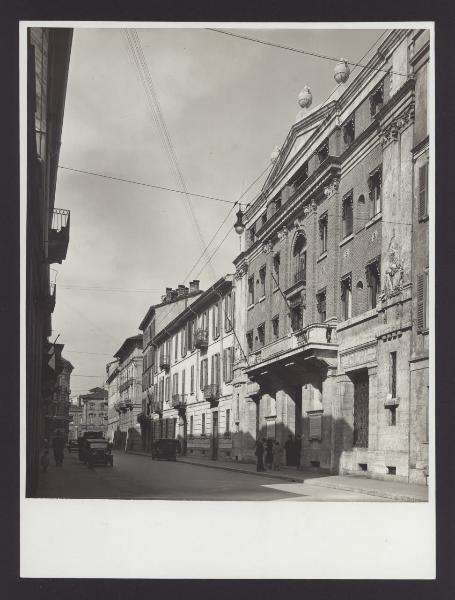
x,y
394,273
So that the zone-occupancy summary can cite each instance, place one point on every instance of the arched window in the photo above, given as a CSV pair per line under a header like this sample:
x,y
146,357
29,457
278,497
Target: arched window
x,y
299,259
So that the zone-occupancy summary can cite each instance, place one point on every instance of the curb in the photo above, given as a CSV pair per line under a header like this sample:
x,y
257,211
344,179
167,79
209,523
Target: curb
x,y
232,469
378,493
337,486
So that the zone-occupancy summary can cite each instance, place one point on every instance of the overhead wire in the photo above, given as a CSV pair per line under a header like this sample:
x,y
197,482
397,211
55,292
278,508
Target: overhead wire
x,y
147,185
300,51
136,48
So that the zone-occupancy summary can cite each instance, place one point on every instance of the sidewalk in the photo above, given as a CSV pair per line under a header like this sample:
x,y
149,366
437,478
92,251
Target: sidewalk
x,y
394,490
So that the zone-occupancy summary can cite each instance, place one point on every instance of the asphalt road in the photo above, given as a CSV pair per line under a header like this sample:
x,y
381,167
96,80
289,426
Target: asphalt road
x,y
140,477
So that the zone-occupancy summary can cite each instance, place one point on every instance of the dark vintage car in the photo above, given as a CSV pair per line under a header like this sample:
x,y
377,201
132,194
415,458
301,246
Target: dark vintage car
x,y
82,443
98,453
165,448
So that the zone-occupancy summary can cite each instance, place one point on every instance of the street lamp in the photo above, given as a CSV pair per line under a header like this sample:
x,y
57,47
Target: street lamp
x,y
239,225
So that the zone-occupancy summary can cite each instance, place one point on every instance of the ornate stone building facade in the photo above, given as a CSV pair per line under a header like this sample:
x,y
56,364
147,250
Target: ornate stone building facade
x,y
94,411
58,415
327,282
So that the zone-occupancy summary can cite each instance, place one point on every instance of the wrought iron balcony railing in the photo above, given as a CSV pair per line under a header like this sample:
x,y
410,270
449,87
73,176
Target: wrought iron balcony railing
x,y
58,238
201,339
212,391
179,400
165,361
300,276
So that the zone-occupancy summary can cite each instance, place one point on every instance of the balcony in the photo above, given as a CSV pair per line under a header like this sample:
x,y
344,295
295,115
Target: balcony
x,y
212,392
59,235
120,406
126,384
156,407
165,362
179,400
317,339
300,276
201,339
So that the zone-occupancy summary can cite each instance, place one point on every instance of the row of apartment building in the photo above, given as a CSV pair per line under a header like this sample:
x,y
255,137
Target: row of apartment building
x,y
322,331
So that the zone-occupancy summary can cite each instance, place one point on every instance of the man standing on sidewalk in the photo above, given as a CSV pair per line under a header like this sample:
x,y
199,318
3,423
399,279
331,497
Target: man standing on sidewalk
x,y
260,455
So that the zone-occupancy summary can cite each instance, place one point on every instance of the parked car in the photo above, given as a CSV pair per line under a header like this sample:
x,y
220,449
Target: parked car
x,y
73,445
82,443
165,448
98,452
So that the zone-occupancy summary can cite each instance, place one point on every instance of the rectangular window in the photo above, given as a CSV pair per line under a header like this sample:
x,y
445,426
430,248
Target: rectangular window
x,y
168,389
276,327
183,342
263,219
277,204
261,335
252,235
203,424
377,100
191,425
423,191
393,374
302,174
262,282
175,383
347,215
422,302
297,316
323,152
321,302
215,369
375,191
349,131
249,340
228,420
373,275
250,290
276,270
346,297
323,225
204,373
392,416
229,312
189,335
216,320
192,380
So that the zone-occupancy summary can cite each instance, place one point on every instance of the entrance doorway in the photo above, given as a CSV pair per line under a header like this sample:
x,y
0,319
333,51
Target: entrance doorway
x,y
215,435
361,409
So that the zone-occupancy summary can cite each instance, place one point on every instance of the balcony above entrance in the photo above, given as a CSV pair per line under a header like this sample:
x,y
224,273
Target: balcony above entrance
x,y
317,341
179,400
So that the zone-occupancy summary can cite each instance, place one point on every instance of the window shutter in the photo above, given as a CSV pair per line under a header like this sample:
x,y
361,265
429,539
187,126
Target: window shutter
x,y
201,383
224,365
231,362
423,190
192,379
420,302
212,369
183,382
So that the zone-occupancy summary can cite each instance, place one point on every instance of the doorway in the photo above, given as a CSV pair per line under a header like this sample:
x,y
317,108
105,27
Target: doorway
x,y
361,409
215,435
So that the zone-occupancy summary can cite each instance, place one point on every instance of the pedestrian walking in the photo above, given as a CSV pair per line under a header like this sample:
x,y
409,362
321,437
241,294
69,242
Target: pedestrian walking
x,y
259,452
269,454
276,451
58,444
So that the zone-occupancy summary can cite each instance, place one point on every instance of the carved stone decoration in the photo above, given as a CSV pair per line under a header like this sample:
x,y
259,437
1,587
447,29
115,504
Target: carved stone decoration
x,y
392,131
283,233
347,253
394,273
332,187
267,247
374,235
241,270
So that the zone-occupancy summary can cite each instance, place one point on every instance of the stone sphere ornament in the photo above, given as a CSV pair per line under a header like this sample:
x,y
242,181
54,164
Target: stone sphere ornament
x,y
275,154
341,71
305,98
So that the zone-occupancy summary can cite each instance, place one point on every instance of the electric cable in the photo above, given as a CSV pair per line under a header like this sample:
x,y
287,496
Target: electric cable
x,y
307,52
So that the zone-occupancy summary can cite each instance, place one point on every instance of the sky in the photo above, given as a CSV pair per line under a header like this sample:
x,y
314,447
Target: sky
x,y
227,103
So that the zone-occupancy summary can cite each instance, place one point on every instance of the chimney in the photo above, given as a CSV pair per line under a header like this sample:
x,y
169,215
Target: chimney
x,y
181,290
194,286
174,294
168,294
